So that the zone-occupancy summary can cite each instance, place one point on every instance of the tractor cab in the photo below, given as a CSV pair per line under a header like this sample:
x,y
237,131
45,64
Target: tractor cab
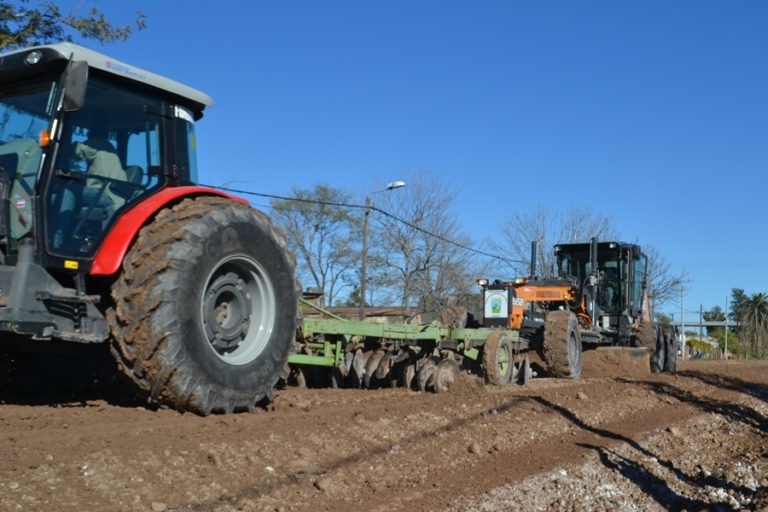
x,y
83,139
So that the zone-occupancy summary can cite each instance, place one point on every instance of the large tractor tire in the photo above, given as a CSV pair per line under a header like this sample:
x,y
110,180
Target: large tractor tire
x,y
561,347
206,307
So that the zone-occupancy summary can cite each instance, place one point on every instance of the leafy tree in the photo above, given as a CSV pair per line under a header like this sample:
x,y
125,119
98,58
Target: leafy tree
x,y
754,324
716,314
23,23
738,299
662,318
322,235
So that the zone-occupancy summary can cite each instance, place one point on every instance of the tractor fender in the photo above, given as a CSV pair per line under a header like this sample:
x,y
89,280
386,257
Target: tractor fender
x,y
112,251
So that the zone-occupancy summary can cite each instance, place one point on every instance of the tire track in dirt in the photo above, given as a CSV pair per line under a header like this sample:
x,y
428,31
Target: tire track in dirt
x,y
393,449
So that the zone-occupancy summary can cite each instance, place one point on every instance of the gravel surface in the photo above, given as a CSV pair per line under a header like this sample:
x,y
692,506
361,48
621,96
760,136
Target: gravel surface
x,y
691,441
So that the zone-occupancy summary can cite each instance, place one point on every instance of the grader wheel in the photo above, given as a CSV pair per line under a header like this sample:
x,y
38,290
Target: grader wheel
x,y
663,342
646,335
665,354
498,367
561,347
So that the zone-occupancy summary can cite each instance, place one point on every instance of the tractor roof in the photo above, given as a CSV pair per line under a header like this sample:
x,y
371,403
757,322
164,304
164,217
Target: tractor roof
x,y
69,51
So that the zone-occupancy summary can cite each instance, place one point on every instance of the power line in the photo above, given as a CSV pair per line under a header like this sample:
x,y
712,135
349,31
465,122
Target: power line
x,y
372,208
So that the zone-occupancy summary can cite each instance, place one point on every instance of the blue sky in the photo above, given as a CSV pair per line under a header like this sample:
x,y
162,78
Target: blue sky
x,y
654,113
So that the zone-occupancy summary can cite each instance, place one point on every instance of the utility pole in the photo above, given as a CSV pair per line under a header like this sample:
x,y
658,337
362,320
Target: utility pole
x,y
726,327
682,319
701,322
364,263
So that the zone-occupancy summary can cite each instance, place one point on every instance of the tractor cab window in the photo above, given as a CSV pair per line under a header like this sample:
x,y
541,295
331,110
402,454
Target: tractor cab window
x,y
25,113
109,157
191,145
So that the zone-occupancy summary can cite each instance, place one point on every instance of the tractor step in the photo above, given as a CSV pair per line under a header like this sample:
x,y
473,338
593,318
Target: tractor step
x,y
67,295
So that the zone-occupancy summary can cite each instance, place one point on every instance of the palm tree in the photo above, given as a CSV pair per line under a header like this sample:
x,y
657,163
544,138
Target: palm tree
x,y
754,322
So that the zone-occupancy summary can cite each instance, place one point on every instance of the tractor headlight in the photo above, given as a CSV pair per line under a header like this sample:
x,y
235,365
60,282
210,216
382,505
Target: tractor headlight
x,y
34,57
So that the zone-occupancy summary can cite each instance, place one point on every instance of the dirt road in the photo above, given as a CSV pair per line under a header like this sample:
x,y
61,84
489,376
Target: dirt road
x,y
695,441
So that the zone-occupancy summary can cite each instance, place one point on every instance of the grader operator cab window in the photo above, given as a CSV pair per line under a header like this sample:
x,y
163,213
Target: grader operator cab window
x,y
575,263
639,278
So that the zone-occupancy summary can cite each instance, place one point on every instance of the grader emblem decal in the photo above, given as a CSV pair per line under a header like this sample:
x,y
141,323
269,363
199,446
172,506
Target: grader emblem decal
x,y
496,303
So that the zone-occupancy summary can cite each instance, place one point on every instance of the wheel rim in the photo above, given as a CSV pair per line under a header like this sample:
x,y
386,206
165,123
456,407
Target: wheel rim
x,y
503,358
238,310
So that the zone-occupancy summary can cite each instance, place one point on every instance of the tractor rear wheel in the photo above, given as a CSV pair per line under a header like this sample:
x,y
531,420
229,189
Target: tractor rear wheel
x,y
205,307
561,347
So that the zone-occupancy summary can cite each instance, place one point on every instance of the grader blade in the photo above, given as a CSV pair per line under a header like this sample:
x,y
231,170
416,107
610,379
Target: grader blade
x,y
632,362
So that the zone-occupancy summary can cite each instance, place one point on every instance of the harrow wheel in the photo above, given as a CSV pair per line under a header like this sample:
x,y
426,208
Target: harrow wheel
x,y
498,366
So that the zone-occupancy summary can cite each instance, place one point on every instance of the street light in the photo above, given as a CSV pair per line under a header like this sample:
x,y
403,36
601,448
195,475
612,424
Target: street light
x,y
390,186
682,319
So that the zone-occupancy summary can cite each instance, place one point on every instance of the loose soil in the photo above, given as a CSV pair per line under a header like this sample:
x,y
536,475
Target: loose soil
x,y
692,441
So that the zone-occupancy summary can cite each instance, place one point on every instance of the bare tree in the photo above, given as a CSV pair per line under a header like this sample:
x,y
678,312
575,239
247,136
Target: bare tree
x,y
414,262
322,235
577,224
548,228
663,286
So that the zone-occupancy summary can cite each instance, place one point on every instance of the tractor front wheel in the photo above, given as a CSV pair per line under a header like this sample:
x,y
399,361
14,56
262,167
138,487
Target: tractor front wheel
x,y
205,308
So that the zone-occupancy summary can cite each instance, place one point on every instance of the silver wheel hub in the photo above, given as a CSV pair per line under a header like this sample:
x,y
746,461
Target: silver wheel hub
x,y
237,310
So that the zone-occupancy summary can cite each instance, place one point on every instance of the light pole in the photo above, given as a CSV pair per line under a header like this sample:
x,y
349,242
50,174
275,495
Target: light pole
x,y
390,186
726,327
682,319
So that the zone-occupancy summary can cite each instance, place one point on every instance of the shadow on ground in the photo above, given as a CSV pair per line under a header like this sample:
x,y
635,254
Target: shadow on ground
x,y
69,376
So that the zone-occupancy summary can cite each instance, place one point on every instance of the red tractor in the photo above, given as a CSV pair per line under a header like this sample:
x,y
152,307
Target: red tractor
x,y
105,237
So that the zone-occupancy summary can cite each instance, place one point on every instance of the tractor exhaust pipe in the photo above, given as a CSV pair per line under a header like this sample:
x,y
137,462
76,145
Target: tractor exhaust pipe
x,y
534,246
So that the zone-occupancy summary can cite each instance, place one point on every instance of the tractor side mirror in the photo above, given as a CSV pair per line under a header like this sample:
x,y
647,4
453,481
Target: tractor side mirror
x,y
74,82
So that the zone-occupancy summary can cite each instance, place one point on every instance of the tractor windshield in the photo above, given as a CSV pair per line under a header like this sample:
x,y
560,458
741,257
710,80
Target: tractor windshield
x,y
25,112
110,157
